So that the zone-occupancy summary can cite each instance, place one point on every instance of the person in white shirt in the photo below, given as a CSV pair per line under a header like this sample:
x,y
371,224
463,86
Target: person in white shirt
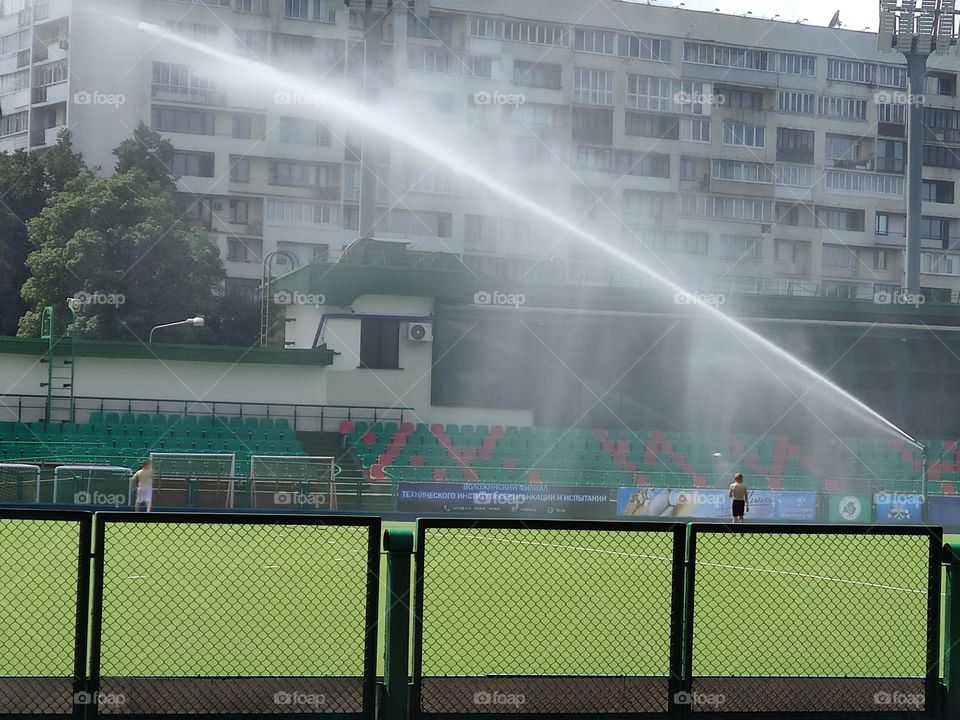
x,y
144,482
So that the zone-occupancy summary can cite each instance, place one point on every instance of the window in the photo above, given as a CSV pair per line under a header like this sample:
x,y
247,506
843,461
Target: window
x,y
688,168
794,175
239,169
420,223
257,7
536,74
323,11
742,171
592,125
795,102
435,27
645,92
379,343
891,155
690,243
15,42
850,71
938,191
300,131
743,134
429,59
193,122
892,76
879,259
795,145
939,156
621,162
727,208
725,55
786,252
177,81
891,114
843,108
520,31
839,257
252,42
200,213
946,84
696,129
794,64
644,48
239,212
595,41
195,164
13,123
593,87
644,204
652,126
297,9
741,99
538,116
735,247
882,224
865,183
428,180
843,147
478,66
840,219
296,212
237,250
293,174
242,126
934,228
14,82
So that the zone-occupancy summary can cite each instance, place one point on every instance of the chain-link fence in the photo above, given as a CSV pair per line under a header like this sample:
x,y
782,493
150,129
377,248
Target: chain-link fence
x,y
235,615
44,608
812,619
547,618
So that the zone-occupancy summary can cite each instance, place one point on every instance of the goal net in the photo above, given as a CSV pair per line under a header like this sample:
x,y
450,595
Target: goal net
x,y
104,485
293,482
19,483
193,479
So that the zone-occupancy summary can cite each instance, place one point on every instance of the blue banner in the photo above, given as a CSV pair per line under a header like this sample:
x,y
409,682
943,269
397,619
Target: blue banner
x,y
710,504
944,510
510,500
898,508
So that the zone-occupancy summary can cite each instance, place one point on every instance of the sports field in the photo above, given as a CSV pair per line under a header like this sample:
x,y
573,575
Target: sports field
x,y
224,600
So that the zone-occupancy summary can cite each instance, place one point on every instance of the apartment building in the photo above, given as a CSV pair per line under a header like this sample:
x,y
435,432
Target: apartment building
x,y
728,153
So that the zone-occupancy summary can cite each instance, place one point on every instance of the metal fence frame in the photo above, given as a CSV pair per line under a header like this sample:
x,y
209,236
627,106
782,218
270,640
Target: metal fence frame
x,y
369,692
85,522
934,577
674,681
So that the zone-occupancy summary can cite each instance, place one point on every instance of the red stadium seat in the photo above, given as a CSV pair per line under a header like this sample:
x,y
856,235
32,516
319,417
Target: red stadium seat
x,y
949,488
599,434
775,483
509,463
485,452
629,466
437,429
640,479
346,427
407,428
700,481
534,478
416,461
369,438
496,431
376,472
470,475
439,474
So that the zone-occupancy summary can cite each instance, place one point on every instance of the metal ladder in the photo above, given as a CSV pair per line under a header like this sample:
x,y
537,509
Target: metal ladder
x,y
59,358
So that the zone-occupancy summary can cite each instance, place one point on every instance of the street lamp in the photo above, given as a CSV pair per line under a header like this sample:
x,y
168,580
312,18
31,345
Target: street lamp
x,y
917,33
193,322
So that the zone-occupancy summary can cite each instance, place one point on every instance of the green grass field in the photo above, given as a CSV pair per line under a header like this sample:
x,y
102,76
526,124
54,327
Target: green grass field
x,y
185,600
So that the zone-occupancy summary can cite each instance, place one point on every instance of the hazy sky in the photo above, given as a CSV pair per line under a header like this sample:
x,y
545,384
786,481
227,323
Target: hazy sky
x,y
854,14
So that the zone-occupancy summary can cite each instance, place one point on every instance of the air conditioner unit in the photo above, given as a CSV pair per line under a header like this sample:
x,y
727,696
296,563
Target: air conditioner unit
x,y
64,44
420,332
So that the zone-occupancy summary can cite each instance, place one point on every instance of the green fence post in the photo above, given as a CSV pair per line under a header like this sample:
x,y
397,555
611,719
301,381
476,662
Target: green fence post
x,y
396,658
951,656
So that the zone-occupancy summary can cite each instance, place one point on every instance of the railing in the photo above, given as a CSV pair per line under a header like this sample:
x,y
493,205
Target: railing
x,y
312,418
233,615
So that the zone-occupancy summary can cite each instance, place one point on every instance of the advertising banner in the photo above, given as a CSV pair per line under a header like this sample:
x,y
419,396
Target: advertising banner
x,y
504,500
898,508
944,510
708,504
849,508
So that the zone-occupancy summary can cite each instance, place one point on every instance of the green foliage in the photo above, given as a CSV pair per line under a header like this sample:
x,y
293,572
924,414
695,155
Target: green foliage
x,y
148,152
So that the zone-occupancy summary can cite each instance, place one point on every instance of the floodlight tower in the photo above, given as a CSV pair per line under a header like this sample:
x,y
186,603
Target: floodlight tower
x,y
917,33
374,13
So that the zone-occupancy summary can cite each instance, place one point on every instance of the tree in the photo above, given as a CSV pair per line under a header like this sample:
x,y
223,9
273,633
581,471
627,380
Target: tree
x,y
149,152
123,242
29,180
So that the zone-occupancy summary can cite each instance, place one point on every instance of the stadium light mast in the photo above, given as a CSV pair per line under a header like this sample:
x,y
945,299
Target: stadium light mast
x,y
916,33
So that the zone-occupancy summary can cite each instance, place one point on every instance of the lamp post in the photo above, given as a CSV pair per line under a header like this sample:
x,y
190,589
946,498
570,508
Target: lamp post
x,y
916,33
192,322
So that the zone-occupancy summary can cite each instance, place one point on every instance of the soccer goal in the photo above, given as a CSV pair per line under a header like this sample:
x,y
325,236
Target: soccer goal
x,y
293,482
19,483
105,485
194,479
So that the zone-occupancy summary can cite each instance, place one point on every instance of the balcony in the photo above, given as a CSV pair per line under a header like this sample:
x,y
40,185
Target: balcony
x,y
853,182
48,94
730,75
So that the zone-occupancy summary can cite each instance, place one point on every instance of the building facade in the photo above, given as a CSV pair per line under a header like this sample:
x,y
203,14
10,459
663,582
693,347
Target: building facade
x,y
728,154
